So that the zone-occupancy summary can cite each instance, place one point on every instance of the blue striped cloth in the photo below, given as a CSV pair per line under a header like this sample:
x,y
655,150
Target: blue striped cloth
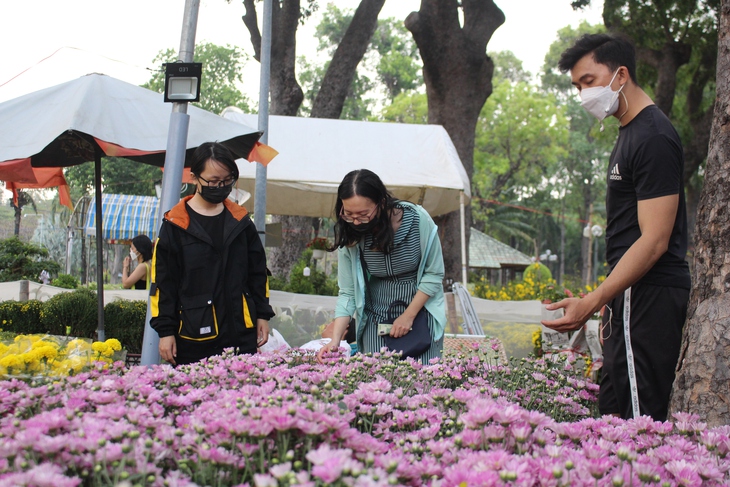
x,y
125,216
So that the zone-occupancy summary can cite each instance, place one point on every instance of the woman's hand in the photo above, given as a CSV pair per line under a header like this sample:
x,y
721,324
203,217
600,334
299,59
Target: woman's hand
x,y
332,346
402,325
262,330
168,349
127,262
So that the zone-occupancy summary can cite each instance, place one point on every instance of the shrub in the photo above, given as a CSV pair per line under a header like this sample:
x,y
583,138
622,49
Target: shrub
x,y
21,260
124,320
73,312
22,317
66,281
538,272
316,283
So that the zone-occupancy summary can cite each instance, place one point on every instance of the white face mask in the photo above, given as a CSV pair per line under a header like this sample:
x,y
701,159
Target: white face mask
x,y
601,101
133,254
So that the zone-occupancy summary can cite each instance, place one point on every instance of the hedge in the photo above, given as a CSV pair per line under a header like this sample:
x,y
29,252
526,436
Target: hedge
x,y
75,313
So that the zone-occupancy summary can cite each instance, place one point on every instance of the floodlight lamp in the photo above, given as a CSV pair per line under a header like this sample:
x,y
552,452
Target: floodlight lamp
x,y
182,82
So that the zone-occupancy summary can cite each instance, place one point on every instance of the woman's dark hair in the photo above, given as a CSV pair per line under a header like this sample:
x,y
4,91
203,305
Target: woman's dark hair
x,y
367,184
613,51
216,151
143,244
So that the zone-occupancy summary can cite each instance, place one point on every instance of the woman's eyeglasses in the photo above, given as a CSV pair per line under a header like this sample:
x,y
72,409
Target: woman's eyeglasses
x,y
360,219
219,183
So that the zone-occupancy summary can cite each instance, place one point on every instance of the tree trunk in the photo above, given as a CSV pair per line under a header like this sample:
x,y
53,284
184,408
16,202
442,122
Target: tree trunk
x,y
458,77
666,62
18,213
585,242
701,385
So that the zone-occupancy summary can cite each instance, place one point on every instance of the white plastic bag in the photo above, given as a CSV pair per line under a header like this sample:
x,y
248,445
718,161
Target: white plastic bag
x,y
553,341
276,342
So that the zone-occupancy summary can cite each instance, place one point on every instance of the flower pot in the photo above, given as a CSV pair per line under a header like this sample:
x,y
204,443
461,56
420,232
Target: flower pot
x,y
317,254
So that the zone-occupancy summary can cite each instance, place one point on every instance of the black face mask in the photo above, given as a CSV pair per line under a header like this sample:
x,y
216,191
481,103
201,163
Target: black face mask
x,y
214,194
363,228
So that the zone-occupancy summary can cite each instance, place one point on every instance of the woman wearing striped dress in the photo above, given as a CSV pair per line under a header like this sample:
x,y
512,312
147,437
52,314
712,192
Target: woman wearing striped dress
x,y
389,250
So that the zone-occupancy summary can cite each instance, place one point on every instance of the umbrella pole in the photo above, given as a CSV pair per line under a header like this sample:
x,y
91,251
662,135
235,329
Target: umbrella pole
x,y
99,248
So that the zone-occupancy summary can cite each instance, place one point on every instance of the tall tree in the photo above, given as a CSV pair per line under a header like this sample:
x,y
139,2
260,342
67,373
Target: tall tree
x,y
286,93
701,384
458,77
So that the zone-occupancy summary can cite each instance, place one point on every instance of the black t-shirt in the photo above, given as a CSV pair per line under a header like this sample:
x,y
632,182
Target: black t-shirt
x,y
213,225
646,163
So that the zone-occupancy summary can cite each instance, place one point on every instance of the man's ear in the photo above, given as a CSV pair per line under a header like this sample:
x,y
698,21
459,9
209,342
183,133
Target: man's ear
x,y
623,75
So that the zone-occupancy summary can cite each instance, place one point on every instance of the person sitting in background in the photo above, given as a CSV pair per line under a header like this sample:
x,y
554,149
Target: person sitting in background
x,y
141,251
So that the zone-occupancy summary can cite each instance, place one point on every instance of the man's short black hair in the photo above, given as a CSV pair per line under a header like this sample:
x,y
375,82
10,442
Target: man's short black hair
x,y
611,50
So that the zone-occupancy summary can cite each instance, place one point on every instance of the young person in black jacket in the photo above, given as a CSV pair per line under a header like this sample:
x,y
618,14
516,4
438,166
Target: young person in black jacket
x,y
209,280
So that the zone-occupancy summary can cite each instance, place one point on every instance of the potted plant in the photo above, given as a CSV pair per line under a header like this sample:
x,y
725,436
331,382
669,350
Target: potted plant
x,y
318,245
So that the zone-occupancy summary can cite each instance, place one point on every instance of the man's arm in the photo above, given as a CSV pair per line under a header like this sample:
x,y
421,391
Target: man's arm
x,y
656,221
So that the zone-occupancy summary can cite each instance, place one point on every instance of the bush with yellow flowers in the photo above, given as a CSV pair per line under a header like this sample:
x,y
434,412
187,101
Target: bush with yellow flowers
x,y
35,356
534,285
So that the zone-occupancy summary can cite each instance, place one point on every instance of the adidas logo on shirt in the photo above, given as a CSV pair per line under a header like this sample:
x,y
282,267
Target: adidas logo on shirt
x,y
615,175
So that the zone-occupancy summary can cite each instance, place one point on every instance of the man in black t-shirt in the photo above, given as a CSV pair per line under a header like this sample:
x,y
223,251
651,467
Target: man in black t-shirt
x,y
647,289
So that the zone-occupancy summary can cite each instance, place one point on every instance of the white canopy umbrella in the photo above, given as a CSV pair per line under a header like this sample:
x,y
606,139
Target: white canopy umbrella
x,y
96,115
418,163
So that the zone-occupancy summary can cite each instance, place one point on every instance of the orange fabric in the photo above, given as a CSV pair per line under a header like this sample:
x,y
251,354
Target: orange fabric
x,y
180,217
17,170
45,177
114,150
262,153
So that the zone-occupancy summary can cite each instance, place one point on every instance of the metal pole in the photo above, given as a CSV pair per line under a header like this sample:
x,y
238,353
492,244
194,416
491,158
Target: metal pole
x,y
177,138
595,258
259,210
463,238
99,250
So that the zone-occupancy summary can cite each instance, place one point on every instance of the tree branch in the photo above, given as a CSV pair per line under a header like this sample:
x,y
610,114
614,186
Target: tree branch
x,y
250,20
337,80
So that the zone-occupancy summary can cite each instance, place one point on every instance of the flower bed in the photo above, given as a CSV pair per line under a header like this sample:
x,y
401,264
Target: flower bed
x,y
283,419
49,356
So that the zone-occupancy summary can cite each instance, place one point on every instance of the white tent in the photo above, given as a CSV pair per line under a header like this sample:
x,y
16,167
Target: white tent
x,y
417,163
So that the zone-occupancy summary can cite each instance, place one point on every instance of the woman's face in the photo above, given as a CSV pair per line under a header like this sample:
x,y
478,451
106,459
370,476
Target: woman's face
x,y
358,210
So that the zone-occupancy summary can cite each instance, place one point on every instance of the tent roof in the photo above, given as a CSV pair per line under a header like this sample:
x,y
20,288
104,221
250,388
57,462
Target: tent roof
x,y
418,163
124,119
125,216
489,253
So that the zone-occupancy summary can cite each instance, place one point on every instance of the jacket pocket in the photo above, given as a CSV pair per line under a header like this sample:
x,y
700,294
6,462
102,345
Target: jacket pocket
x,y
198,321
248,316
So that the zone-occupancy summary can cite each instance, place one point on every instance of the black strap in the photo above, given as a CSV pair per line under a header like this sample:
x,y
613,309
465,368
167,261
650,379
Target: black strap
x,y
361,252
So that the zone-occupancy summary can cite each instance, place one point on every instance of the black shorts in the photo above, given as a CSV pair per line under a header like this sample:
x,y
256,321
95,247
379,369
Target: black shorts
x,y
656,318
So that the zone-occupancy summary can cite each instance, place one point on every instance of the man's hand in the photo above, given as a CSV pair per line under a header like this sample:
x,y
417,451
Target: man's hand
x,y
263,332
577,312
168,349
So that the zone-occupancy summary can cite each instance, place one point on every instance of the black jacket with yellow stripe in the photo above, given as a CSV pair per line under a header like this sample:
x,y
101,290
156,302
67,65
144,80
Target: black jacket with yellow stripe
x,y
208,299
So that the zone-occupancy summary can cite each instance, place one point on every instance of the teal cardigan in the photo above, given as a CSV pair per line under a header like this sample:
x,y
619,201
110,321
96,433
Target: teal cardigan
x,y
351,298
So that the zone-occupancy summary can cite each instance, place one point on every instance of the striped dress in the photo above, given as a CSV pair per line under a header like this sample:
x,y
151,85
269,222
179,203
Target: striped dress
x,y
393,277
